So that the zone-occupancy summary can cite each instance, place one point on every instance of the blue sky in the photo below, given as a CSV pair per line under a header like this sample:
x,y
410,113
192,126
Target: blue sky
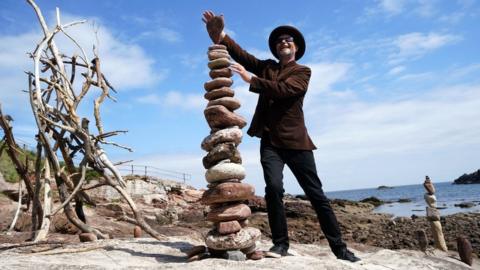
x,y
394,94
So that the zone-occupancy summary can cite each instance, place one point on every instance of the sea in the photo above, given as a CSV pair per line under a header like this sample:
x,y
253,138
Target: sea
x,y
447,196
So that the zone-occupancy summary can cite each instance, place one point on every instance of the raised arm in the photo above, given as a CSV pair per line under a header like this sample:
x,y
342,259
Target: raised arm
x,y
215,28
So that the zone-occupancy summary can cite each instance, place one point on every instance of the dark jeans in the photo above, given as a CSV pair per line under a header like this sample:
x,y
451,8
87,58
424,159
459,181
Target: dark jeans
x,y
302,165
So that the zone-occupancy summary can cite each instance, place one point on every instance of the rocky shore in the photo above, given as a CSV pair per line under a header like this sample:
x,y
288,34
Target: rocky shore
x,y
177,211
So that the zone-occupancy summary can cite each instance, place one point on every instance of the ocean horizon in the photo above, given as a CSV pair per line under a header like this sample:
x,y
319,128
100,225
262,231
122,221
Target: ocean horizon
x,y
448,195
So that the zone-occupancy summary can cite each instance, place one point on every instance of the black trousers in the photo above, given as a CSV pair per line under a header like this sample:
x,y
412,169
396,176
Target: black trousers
x,y
302,165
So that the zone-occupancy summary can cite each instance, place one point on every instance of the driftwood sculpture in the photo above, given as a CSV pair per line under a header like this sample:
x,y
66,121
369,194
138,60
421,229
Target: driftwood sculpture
x,y
64,134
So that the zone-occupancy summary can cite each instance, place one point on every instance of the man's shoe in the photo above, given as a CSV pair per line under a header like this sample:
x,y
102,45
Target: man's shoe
x,y
347,255
277,251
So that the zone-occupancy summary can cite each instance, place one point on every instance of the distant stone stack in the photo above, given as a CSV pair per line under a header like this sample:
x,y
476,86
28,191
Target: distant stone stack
x,y
433,215
226,193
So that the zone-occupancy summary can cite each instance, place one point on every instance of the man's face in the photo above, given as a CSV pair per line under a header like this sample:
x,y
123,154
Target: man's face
x,y
285,46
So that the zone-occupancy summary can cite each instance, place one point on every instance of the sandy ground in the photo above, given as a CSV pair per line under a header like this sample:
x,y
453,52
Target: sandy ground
x,y
147,253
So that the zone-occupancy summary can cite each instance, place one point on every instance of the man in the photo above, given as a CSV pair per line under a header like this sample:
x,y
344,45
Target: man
x,y
279,122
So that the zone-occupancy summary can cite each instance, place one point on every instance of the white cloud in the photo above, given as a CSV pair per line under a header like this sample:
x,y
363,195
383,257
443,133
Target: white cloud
x,y
325,74
396,70
415,45
175,99
392,7
162,33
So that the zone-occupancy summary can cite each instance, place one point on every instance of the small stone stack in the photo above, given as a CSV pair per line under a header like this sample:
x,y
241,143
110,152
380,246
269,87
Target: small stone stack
x,y
226,193
433,215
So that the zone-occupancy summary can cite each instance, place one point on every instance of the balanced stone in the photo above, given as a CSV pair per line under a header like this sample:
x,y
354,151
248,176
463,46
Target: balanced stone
x,y
464,250
233,134
218,93
220,152
433,214
229,102
137,232
430,199
217,47
214,184
87,237
222,72
422,239
228,192
220,117
428,185
215,54
224,171
218,83
228,227
219,63
229,212
245,238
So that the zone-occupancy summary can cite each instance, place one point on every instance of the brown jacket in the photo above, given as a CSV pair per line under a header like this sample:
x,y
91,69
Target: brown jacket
x,y
280,103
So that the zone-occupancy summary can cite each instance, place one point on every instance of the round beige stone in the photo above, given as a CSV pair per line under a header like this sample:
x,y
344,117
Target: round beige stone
x,y
219,63
218,83
245,238
219,93
224,171
230,103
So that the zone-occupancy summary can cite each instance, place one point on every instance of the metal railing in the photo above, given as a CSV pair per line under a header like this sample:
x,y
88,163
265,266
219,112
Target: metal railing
x,y
146,171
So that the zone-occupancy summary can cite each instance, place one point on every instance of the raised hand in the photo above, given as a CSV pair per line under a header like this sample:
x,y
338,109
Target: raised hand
x,y
244,74
215,25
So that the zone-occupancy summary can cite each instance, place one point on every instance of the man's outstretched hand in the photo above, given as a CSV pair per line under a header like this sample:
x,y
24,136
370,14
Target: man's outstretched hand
x,y
215,25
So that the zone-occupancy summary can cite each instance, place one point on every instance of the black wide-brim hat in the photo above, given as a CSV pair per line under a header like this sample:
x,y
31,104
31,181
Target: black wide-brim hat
x,y
291,31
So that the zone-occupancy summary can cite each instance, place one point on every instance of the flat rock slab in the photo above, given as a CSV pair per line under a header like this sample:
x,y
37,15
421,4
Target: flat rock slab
x,y
228,192
148,253
230,103
219,63
229,212
220,117
222,72
217,83
225,171
245,238
233,135
219,93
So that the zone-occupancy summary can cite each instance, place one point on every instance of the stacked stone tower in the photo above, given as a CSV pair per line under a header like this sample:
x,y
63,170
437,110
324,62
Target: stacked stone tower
x,y
226,193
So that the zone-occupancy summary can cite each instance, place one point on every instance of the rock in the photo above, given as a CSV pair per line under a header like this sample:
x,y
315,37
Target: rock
x,y
222,72
373,200
217,83
215,54
404,200
153,198
228,192
220,152
256,255
246,237
228,227
217,47
220,117
137,232
433,214
384,187
249,249
422,239
218,93
431,200
465,205
428,185
472,178
244,223
228,102
224,171
197,257
87,237
229,212
196,250
219,63
214,184
233,135
465,250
